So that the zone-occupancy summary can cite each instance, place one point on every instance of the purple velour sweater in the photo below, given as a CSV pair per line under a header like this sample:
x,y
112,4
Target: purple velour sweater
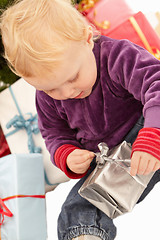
x,y
128,83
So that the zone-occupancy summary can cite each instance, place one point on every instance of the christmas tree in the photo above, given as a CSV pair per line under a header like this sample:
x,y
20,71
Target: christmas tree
x,y
7,77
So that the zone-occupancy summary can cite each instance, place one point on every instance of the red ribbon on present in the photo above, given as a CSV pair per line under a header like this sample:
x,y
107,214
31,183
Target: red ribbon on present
x,y
4,211
4,148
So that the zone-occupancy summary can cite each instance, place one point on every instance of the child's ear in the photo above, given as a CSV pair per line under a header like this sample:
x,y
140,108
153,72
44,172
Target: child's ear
x,y
90,37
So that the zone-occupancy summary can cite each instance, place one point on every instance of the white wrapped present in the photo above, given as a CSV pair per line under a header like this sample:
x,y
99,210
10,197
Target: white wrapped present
x,y
22,197
18,119
154,19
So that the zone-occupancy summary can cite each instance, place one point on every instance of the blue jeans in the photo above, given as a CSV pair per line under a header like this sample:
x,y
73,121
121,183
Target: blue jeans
x,y
79,217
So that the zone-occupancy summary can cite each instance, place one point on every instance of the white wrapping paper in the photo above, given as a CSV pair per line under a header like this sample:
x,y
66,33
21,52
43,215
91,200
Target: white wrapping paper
x,y
18,142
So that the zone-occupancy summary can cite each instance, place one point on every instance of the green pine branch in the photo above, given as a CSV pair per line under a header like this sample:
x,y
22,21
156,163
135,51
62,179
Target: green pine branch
x,y
7,77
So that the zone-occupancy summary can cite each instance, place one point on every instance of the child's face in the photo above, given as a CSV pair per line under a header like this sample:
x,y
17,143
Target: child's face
x,y
74,78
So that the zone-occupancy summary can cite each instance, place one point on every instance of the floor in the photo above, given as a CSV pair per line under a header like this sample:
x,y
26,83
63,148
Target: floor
x,y
141,224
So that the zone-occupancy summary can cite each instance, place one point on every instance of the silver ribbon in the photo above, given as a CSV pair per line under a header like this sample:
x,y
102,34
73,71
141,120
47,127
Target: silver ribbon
x,y
106,155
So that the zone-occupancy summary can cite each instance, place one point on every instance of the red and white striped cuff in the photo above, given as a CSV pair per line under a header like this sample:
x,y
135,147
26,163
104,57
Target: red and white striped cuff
x,y
148,140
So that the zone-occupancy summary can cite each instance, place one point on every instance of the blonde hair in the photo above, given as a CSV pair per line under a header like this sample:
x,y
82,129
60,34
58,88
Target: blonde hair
x,y
35,34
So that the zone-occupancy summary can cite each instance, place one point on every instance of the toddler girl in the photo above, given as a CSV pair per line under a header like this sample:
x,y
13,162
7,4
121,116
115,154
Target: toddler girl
x,y
88,91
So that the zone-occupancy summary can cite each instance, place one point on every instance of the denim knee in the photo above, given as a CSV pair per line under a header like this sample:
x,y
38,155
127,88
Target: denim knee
x,y
80,217
84,219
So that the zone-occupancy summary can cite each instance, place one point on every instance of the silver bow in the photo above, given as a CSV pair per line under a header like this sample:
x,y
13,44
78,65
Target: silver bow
x,y
106,155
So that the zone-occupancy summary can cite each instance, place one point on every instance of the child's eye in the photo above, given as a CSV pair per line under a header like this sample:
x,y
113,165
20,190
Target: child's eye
x,y
73,80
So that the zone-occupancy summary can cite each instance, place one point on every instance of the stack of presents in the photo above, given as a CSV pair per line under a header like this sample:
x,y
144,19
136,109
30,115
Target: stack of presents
x,y
115,19
26,172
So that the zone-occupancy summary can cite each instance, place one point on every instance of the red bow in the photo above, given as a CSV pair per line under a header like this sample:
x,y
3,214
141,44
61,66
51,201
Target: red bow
x,y
4,211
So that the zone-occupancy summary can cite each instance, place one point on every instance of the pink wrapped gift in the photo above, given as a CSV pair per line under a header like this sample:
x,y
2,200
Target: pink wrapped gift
x,y
138,30
105,14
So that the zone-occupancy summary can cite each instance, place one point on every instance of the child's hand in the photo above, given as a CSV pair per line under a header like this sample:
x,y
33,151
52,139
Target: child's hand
x,y
79,160
143,163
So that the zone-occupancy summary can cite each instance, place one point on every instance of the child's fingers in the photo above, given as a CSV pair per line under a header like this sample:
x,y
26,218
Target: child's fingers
x,y
82,167
143,165
134,164
79,160
156,167
150,167
84,155
85,164
87,156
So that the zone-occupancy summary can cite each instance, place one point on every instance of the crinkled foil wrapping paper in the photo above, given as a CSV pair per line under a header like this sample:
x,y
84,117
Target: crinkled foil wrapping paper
x,y
110,187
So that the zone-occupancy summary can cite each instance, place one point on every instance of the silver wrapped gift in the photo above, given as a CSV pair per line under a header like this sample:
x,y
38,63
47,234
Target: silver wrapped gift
x,y
110,187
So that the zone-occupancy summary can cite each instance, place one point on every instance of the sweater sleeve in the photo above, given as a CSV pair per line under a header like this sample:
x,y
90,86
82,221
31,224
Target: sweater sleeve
x,y
148,140
54,129
137,71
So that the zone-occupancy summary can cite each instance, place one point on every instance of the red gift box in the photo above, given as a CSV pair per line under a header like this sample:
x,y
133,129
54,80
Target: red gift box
x,y
4,148
106,15
138,30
